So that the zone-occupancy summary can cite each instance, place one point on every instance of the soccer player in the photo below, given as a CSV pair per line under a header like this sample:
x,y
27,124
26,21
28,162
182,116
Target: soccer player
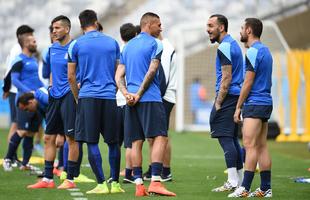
x,y
9,90
168,87
24,75
144,112
229,77
96,55
255,101
34,101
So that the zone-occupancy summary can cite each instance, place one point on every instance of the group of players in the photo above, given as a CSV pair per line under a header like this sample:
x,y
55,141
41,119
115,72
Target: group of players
x,y
86,74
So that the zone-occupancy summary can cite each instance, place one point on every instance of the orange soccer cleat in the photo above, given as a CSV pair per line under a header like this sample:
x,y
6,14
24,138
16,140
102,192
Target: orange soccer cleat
x,y
42,184
159,189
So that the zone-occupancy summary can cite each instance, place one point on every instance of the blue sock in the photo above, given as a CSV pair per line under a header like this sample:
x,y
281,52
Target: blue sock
x,y
114,160
247,179
79,161
243,154
137,172
48,169
65,156
239,154
60,157
157,168
71,169
166,171
128,173
95,161
27,149
265,177
13,145
230,152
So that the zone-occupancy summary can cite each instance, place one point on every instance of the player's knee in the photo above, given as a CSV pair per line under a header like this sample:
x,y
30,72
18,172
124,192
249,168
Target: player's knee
x,y
48,139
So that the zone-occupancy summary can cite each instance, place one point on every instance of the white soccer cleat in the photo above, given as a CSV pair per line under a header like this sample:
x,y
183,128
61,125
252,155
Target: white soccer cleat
x,y
260,193
224,188
7,165
240,192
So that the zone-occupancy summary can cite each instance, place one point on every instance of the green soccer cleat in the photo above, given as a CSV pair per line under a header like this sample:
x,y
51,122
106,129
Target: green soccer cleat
x,y
83,179
116,187
100,189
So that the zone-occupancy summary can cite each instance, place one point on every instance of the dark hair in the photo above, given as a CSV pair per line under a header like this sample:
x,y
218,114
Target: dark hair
x,y
138,29
221,19
24,98
99,27
127,31
256,25
50,28
24,29
63,19
87,18
146,17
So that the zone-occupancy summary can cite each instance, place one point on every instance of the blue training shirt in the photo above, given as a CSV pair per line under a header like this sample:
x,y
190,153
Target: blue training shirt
x,y
96,55
24,74
229,53
41,95
259,60
137,56
57,59
46,70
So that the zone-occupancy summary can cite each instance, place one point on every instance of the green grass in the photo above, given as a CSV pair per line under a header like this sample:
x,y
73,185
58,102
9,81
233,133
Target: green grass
x,y
197,166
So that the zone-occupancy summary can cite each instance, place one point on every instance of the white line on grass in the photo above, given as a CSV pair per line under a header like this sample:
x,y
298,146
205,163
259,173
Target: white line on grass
x,y
76,194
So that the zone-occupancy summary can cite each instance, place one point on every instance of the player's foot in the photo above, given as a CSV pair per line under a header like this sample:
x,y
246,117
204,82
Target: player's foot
x,y
25,168
57,172
83,179
16,163
7,165
110,180
129,179
167,178
116,187
260,193
100,189
67,185
63,175
141,191
224,188
42,184
158,188
240,192
147,176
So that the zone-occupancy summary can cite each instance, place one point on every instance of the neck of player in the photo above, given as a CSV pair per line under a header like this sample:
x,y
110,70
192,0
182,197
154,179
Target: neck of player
x,y
252,40
66,40
27,52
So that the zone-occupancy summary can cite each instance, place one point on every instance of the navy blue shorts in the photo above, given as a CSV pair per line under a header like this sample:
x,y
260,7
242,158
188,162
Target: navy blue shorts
x,y
145,120
60,115
96,116
28,121
13,115
120,112
257,111
168,108
222,121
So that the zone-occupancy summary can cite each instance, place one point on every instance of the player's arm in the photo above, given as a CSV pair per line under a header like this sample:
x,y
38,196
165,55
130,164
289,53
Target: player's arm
x,y
224,87
72,80
15,76
120,79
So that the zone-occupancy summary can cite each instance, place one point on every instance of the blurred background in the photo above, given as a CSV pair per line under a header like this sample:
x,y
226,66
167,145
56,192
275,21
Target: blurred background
x,y
286,32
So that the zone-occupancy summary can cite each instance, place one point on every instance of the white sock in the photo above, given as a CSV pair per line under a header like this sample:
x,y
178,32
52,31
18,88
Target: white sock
x,y
240,176
139,181
47,180
232,176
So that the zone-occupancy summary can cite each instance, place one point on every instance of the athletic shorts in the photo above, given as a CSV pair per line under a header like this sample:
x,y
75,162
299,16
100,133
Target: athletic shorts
x,y
60,115
222,121
95,117
12,98
168,108
28,121
145,120
257,111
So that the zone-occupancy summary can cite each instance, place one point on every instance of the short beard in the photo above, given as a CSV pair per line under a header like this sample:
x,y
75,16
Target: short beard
x,y
244,39
215,39
32,50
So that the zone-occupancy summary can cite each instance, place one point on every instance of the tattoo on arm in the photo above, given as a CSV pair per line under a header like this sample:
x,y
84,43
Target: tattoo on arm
x,y
148,78
225,83
120,78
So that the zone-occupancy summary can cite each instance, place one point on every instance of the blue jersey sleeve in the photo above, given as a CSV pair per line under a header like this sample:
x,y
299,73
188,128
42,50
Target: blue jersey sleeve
x,y
15,76
41,95
72,52
157,50
251,60
224,53
46,71
117,50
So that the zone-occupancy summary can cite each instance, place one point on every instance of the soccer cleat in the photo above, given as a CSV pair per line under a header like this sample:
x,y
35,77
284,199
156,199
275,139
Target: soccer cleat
x,y
147,176
7,165
240,192
156,188
260,193
67,185
127,180
116,188
57,172
100,189
83,179
141,191
42,184
167,178
63,175
224,188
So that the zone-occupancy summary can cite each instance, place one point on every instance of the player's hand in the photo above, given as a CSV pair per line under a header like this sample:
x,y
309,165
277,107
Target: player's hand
x,y
237,114
217,106
136,98
5,95
129,99
79,86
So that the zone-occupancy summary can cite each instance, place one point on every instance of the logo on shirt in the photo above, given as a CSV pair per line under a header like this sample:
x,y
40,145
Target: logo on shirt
x,y
28,63
66,56
53,54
